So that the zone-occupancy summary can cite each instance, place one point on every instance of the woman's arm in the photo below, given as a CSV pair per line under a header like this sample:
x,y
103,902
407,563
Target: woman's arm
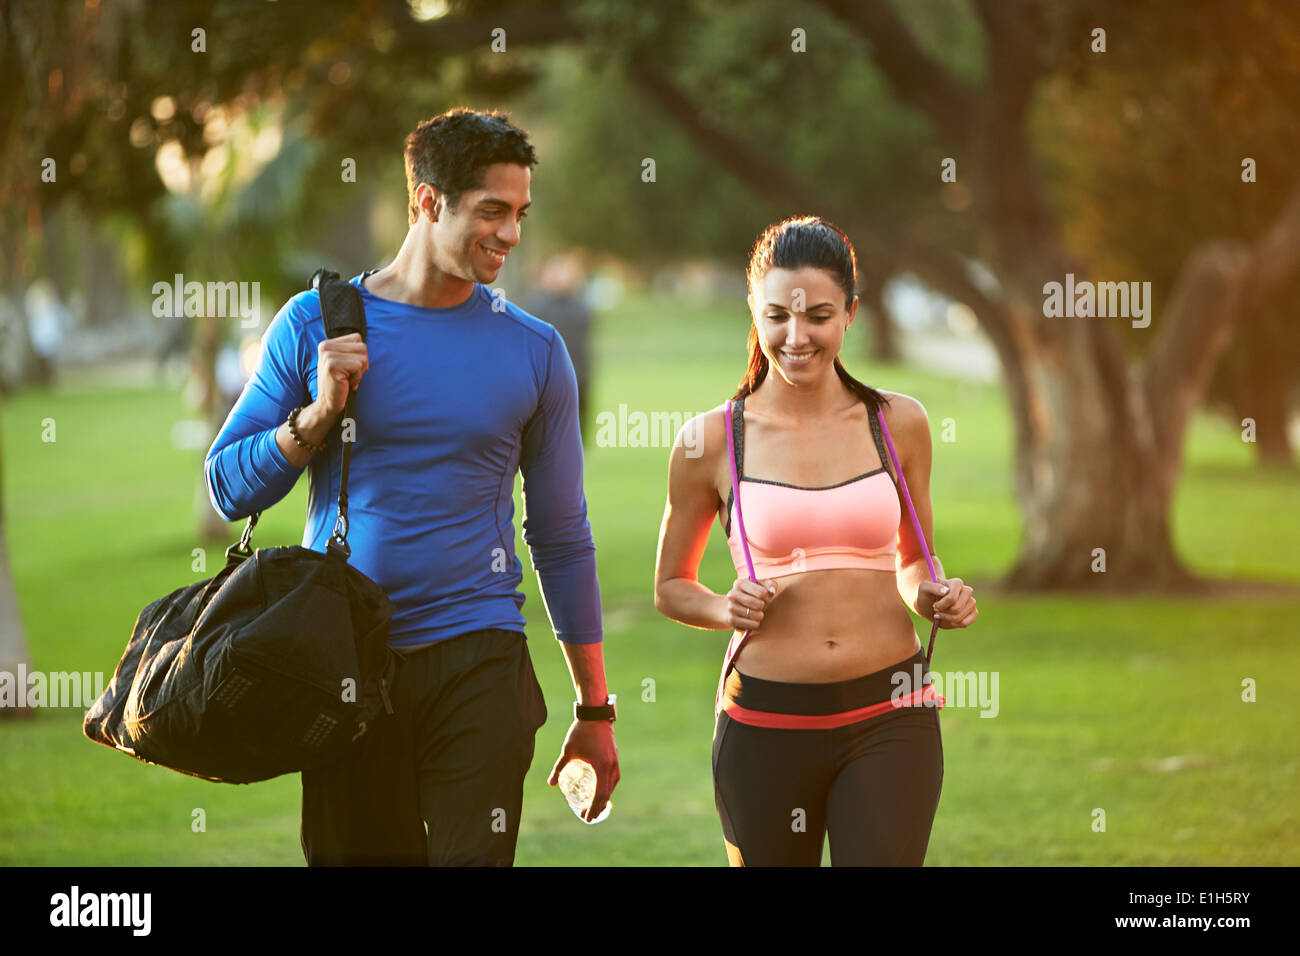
x,y
689,513
688,516
909,426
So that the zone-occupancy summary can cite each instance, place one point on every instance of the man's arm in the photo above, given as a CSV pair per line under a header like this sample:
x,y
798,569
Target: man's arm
x,y
254,461
587,668
559,540
555,509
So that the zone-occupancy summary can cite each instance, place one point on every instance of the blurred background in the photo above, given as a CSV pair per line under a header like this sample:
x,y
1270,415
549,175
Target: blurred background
x,y
1120,491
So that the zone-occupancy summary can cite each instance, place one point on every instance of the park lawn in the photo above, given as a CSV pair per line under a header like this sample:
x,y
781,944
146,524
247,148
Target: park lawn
x,y
1101,695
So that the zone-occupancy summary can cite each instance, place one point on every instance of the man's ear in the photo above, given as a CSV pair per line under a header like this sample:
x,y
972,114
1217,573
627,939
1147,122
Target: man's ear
x,y
429,201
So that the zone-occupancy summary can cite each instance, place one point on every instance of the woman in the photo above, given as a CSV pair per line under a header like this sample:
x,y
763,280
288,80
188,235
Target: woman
x,y
794,756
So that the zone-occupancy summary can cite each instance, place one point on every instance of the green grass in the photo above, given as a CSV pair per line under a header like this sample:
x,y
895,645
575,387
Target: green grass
x,y
1092,691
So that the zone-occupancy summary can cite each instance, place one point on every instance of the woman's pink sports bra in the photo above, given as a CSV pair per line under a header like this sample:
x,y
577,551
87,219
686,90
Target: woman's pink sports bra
x,y
791,529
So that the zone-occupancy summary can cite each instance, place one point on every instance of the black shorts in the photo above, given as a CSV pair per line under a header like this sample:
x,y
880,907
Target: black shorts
x,y
440,781
873,785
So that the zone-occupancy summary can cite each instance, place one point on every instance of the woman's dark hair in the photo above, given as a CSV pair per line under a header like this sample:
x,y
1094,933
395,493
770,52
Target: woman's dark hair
x,y
796,243
451,150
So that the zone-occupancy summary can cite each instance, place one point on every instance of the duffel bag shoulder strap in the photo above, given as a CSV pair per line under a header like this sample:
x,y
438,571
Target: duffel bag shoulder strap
x,y
342,314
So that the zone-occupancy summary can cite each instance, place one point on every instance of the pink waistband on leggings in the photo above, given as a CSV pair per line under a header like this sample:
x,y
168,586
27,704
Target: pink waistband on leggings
x,y
763,718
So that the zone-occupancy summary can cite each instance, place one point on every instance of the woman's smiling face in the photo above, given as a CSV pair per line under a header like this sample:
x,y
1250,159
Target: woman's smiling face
x,y
801,319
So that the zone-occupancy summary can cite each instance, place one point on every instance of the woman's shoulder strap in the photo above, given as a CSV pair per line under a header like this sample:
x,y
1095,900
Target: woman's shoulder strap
x,y
738,433
880,441
735,413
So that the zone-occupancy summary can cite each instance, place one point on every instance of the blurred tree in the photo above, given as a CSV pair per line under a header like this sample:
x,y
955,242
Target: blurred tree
x,y
1100,409
108,99
1140,168
242,220
1099,433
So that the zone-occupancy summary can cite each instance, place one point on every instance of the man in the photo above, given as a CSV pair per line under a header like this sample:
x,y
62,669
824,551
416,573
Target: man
x,y
467,389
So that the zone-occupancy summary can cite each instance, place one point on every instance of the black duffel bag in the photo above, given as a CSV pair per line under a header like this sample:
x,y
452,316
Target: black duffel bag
x,y
276,665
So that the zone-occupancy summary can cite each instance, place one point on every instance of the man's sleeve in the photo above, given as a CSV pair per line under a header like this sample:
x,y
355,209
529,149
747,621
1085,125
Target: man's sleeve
x,y
245,469
555,508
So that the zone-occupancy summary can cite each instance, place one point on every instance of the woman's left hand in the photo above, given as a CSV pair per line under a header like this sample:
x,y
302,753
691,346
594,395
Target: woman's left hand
x,y
954,609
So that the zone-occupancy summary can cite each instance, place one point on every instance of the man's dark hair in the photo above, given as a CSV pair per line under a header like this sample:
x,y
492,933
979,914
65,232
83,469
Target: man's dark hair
x,y
451,151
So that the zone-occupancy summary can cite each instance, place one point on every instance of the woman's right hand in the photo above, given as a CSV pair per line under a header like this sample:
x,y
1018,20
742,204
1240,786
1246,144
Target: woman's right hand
x,y
340,364
746,602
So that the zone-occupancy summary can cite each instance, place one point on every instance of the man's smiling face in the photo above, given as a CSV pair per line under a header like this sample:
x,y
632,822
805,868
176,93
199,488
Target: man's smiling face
x,y
472,241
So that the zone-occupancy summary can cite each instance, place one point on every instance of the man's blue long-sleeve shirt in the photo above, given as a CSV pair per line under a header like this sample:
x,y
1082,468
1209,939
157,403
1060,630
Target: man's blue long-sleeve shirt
x,y
455,402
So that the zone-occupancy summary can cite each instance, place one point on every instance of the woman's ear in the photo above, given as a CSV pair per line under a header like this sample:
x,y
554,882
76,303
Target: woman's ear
x,y
853,310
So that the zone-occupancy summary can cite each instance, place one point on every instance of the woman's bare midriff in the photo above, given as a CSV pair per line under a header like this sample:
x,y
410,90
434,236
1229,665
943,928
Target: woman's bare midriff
x,y
826,626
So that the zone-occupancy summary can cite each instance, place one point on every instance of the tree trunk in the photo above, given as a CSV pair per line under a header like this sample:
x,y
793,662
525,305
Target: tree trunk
x,y
1260,393
884,338
203,369
1096,506
1104,468
1262,398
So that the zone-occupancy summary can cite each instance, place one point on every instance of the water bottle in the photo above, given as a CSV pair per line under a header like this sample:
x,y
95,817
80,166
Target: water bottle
x,y
578,784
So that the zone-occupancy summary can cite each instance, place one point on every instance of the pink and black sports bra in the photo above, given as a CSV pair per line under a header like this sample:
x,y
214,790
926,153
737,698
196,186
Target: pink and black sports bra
x,y
792,529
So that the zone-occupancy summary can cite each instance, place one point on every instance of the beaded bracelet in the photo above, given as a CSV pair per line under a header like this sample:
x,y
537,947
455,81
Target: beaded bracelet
x,y
293,430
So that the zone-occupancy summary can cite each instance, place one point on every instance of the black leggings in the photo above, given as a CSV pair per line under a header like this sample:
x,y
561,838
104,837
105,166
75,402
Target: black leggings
x,y
874,785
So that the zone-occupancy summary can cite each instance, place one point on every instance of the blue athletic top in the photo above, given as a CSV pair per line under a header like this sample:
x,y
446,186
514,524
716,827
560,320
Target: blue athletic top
x,y
454,403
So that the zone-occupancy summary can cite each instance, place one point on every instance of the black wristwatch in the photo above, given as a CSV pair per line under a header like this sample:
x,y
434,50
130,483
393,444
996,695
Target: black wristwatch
x,y
603,711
